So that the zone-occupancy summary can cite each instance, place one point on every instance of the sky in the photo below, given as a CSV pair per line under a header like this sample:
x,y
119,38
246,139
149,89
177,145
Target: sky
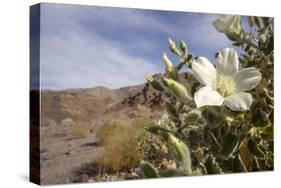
x,y
89,46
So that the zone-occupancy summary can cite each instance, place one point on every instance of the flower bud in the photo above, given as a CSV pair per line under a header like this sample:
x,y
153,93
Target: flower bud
x,y
173,47
229,24
170,70
183,47
154,83
179,89
181,151
262,38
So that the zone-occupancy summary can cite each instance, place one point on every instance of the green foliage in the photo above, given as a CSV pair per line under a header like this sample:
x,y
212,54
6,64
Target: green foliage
x,y
212,167
229,144
238,165
254,149
228,141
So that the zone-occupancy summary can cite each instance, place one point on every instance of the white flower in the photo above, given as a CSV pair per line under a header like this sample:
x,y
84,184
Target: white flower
x,y
225,84
228,24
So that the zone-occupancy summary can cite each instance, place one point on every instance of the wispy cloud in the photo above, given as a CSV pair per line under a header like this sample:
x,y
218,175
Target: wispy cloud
x,y
84,46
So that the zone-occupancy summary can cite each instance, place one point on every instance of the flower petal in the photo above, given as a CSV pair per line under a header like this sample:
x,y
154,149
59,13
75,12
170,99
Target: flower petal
x,y
247,79
206,96
239,101
204,71
227,62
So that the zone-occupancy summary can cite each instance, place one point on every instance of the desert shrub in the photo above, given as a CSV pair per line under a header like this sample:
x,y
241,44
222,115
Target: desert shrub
x,y
120,145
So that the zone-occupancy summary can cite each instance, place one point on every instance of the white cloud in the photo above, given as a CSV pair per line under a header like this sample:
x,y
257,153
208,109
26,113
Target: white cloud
x,y
75,56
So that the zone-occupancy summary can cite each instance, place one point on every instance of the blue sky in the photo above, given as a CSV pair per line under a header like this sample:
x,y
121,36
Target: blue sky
x,y
88,46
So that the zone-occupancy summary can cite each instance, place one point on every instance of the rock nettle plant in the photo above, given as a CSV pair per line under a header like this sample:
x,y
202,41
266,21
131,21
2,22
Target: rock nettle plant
x,y
223,122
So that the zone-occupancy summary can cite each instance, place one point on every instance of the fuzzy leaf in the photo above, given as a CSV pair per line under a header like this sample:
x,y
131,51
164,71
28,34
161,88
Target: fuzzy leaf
x,y
259,119
213,117
238,165
254,149
229,144
212,166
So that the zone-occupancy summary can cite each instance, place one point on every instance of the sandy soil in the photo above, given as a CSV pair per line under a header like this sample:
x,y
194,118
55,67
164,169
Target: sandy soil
x,y
64,158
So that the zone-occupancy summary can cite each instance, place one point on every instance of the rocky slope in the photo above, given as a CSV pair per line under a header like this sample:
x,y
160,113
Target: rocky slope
x,y
70,118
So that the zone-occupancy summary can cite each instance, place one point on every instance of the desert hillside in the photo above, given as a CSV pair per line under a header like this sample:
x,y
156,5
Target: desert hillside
x,y
70,119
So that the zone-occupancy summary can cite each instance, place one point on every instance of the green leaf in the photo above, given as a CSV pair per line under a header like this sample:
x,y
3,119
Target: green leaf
x,y
160,131
148,170
259,119
213,116
254,149
267,132
229,144
238,165
212,166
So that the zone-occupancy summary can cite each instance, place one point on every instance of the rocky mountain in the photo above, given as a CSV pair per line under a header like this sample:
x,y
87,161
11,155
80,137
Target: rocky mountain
x,y
101,103
88,105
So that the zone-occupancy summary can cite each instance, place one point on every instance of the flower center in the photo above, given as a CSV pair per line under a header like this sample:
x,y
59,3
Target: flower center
x,y
225,85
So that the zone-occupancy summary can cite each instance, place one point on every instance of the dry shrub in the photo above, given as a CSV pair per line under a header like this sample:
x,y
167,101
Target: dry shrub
x,y
120,145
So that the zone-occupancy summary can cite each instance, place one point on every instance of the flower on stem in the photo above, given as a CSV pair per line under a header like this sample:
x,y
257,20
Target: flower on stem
x,y
225,84
228,24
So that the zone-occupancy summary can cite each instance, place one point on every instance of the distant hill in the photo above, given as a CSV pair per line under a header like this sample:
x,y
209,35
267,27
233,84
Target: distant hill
x,y
103,103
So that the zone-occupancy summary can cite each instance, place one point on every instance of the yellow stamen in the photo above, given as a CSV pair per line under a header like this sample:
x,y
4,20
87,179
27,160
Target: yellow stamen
x,y
225,85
